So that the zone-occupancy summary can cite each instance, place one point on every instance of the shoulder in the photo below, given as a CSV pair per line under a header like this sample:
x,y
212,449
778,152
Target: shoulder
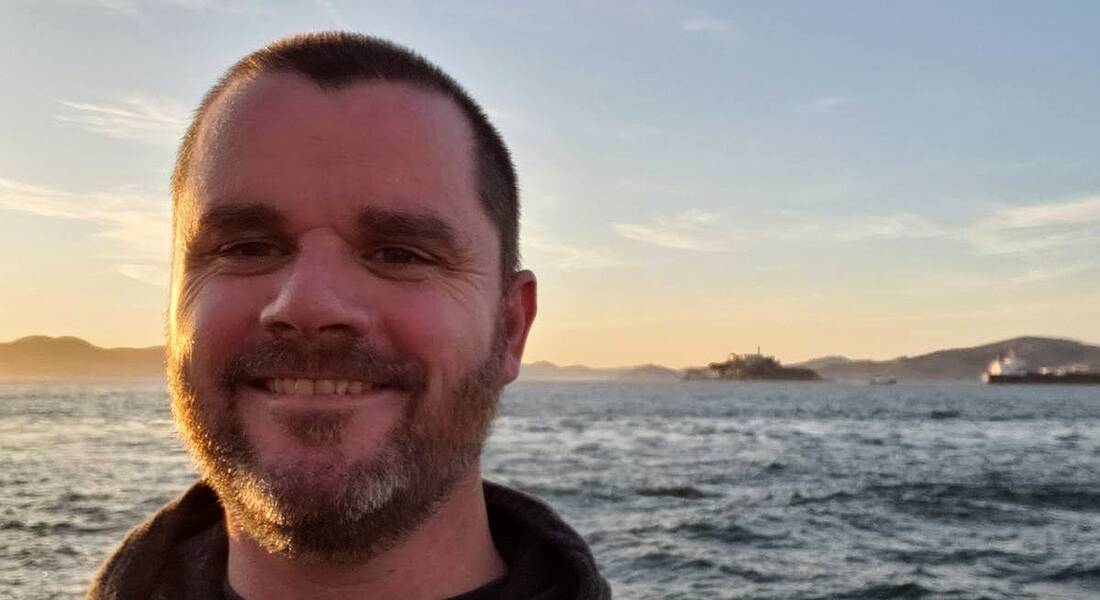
x,y
546,557
183,535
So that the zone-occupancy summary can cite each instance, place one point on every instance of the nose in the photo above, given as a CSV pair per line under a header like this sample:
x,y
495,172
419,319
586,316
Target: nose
x,y
317,294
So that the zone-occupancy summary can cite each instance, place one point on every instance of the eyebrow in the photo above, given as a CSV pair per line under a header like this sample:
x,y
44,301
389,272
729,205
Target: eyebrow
x,y
238,217
379,222
371,222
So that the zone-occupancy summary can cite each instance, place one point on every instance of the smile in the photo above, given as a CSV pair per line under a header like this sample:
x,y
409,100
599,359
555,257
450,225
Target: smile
x,y
317,387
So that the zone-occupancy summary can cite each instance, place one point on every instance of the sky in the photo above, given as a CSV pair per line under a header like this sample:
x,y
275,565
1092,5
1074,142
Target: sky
x,y
870,179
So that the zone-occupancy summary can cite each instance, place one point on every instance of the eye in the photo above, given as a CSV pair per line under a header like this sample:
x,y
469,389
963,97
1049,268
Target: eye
x,y
395,255
251,249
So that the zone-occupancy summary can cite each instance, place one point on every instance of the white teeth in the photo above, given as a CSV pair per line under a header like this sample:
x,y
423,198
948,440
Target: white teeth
x,y
310,387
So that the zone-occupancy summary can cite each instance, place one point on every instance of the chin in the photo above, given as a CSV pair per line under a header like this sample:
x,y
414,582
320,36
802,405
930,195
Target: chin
x,y
339,481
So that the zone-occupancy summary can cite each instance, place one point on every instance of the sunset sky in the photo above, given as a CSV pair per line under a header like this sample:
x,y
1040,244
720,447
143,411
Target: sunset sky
x,y
861,178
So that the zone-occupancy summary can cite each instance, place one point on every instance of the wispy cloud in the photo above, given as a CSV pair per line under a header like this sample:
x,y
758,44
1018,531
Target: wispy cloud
x,y
138,222
1040,241
1050,229
705,24
545,250
896,226
1047,272
1045,241
823,104
694,229
154,275
137,118
1041,231
706,231
1072,212
698,217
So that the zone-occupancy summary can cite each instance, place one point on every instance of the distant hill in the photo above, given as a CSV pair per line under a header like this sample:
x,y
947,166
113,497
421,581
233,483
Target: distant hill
x,y
42,357
548,371
649,373
960,364
823,362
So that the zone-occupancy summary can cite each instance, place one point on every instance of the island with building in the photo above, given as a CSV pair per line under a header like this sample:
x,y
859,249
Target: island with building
x,y
750,367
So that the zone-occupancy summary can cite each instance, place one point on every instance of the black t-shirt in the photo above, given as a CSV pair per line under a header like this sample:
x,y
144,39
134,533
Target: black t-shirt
x,y
489,591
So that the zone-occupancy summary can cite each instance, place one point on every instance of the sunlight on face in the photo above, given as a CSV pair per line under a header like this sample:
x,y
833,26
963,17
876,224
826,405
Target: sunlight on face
x,y
336,338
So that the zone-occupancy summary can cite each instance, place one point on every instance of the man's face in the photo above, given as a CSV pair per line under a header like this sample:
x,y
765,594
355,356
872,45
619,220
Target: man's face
x,y
338,329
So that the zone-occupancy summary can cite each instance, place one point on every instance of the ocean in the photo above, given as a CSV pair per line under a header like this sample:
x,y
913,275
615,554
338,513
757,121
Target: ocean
x,y
683,490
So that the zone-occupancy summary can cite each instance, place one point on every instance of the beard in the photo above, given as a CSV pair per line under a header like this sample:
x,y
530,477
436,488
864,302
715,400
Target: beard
x,y
355,509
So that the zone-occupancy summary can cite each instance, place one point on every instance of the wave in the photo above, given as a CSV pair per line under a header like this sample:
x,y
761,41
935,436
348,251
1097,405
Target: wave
x,y
673,563
725,533
749,574
1076,573
70,497
905,591
797,499
606,495
686,492
963,556
49,529
1055,496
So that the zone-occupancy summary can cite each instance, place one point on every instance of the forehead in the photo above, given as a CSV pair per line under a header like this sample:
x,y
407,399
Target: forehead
x,y
283,139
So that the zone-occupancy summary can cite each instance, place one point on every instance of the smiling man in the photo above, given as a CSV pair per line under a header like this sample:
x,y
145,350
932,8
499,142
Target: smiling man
x,y
346,306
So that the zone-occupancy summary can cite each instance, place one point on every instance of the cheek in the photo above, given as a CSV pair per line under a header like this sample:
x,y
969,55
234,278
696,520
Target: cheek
x,y
446,333
217,321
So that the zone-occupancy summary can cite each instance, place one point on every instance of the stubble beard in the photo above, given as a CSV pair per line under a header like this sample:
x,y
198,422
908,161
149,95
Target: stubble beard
x,y
350,511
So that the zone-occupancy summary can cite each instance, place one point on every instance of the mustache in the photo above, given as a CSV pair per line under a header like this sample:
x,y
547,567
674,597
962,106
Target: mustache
x,y
328,358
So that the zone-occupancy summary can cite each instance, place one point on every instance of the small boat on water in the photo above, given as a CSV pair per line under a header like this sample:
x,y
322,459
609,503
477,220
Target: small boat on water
x,y
1013,369
882,380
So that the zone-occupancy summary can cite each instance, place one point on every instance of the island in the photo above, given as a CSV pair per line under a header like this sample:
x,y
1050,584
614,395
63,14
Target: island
x,y
750,367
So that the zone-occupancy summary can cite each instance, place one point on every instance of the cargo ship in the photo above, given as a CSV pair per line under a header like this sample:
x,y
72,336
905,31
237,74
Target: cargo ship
x,y
1012,369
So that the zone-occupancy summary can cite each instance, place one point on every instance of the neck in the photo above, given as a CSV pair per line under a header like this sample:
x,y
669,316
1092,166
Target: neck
x,y
449,553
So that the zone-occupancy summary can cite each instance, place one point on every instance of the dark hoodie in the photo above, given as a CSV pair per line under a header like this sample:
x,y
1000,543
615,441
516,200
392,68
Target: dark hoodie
x,y
180,553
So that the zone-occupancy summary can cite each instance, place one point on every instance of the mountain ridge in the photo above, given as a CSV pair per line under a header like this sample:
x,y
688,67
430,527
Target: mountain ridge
x,y
966,363
69,357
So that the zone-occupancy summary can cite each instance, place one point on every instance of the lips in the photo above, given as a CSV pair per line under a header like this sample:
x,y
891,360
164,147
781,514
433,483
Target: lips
x,y
325,367
286,386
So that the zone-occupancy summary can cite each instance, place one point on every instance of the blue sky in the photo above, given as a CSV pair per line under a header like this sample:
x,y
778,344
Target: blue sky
x,y
862,178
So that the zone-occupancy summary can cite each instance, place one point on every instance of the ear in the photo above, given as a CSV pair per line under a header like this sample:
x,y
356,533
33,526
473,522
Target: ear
x,y
520,304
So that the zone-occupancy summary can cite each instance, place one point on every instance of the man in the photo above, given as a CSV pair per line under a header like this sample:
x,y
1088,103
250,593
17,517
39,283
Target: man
x,y
345,308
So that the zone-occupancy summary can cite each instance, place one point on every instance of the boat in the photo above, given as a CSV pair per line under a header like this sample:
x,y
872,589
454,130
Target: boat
x,y
1012,369
882,380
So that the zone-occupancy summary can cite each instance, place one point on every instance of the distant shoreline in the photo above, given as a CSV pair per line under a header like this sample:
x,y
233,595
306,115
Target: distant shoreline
x,y
38,359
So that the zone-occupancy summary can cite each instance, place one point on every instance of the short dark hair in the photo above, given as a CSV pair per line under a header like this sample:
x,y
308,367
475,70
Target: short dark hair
x,y
336,59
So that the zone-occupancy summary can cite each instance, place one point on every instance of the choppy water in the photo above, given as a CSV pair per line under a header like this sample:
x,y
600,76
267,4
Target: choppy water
x,y
684,490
